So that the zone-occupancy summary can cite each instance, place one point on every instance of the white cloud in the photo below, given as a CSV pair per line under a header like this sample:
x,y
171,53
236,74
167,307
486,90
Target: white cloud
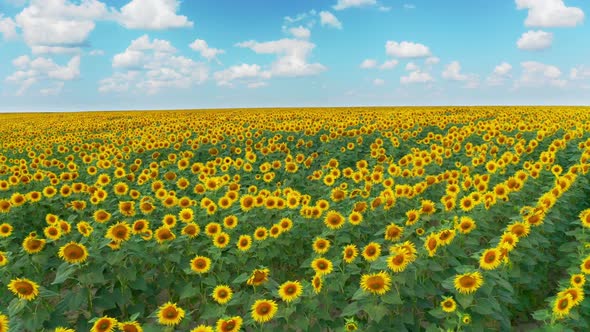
x,y
384,8
54,50
59,23
535,40
31,71
327,18
343,4
300,32
206,52
416,77
378,82
7,27
389,64
53,90
453,72
368,64
579,73
406,49
301,17
550,13
255,85
151,66
410,66
503,69
96,52
241,72
535,74
292,55
152,15
432,60
500,74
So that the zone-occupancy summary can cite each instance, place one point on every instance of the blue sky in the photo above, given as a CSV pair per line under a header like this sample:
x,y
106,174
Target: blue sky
x,y
69,55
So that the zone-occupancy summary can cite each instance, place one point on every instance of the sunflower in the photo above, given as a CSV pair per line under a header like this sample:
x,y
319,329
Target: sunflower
x,y
3,258
520,229
32,245
5,230
317,282
221,240
104,324
585,266
490,259
372,251
562,306
258,277
465,225
286,224
508,241
351,326
84,228
212,229
290,290
445,237
399,260
232,324
101,216
260,233
322,266
4,206
222,294
393,232
275,231
170,314
73,253
576,293
466,203
264,310
244,243
230,222
321,245
58,329
200,264
413,216
203,328
24,288
349,253
448,304
164,234
376,283
468,283
431,244
186,215
127,208
130,327
466,319
334,220
119,232
191,230
585,218
578,280
169,220
52,232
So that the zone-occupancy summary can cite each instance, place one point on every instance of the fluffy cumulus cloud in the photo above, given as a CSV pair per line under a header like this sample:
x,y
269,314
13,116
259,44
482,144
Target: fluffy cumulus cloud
x,y
535,40
300,32
203,48
7,27
432,60
53,26
452,72
152,15
500,74
406,49
151,65
416,76
343,4
580,73
328,19
368,64
535,74
252,75
292,56
43,70
550,13
389,64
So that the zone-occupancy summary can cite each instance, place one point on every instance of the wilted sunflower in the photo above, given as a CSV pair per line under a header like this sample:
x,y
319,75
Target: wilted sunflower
x,y
104,324
372,251
321,245
232,324
322,266
349,253
244,242
170,314
73,253
264,310
377,283
200,264
468,283
290,290
222,294
130,327
258,277
24,288
448,304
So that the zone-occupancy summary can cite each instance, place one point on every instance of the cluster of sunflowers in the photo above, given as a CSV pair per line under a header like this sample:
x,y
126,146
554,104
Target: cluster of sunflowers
x,y
287,219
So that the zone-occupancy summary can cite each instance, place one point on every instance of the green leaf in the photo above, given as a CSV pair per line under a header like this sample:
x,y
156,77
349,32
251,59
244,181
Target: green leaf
x,y
392,297
188,291
376,312
16,306
438,313
241,278
64,271
464,300
542,315
350,310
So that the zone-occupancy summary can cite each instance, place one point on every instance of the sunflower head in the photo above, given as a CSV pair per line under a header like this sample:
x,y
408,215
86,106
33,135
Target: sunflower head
x,y
222,294
104,324
170,314
290,291
448,304
264,310
377,283
258,277
73,253
200,264
233,324
468,283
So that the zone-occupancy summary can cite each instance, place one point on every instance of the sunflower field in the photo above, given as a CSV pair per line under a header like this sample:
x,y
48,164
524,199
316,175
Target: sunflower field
x,y
343,219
